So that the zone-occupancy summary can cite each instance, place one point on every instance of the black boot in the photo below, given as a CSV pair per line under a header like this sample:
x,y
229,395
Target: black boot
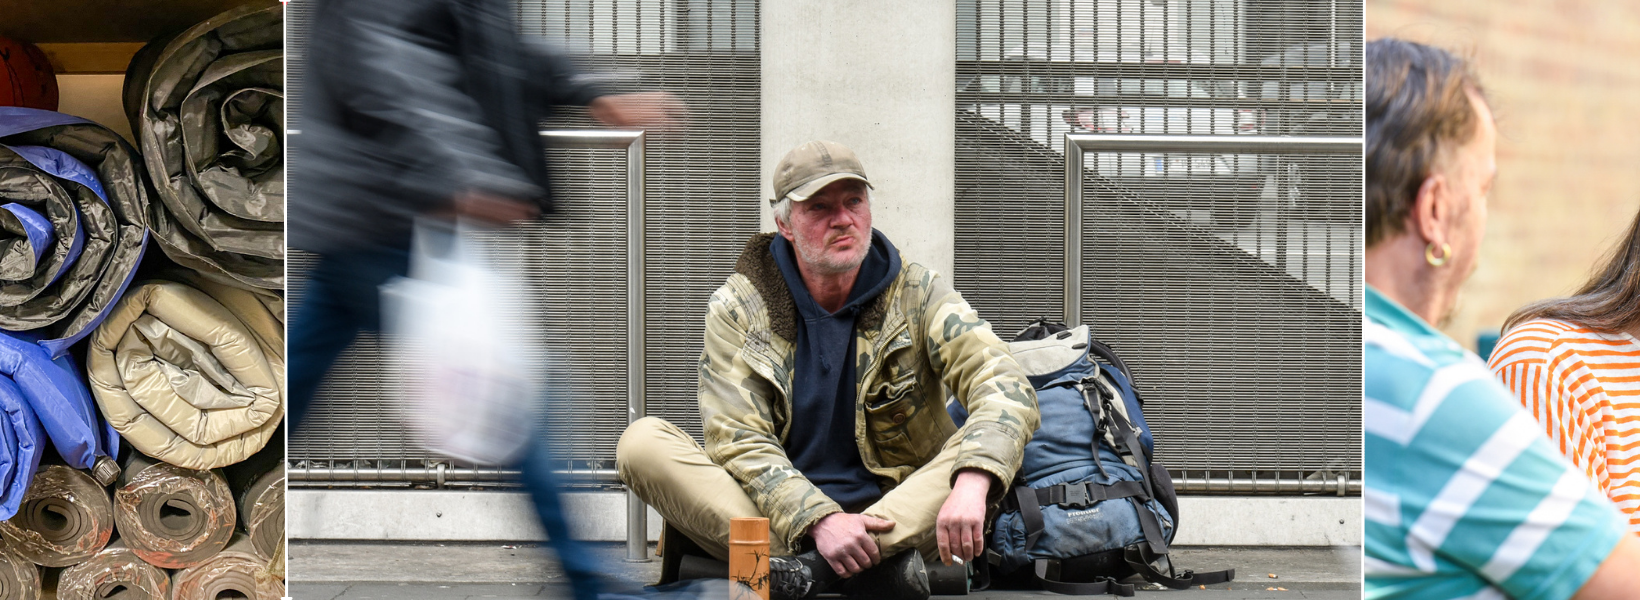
x,y
900,577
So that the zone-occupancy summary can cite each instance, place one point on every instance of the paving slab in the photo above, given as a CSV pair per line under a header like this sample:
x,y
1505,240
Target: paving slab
x,y
467,571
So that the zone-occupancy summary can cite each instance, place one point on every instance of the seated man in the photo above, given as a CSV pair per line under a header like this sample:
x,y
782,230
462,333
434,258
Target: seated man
x,y
823,382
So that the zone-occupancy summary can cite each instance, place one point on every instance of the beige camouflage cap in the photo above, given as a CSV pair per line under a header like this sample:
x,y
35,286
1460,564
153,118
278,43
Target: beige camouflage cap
x,y
814,165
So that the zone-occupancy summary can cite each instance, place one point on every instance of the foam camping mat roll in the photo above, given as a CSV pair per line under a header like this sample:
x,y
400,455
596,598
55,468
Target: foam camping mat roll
x,y
19,577
65,518
72,202
262,512
191,373
236,572
114,573
170,516
207,107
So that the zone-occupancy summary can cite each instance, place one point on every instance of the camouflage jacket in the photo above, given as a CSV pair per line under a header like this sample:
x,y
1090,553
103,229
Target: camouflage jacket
x,y
918,340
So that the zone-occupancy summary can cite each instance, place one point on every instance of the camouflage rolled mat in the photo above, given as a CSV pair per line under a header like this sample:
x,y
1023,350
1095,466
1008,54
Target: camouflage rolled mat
x,y
107,572
19,577
236,572
173,517
65,518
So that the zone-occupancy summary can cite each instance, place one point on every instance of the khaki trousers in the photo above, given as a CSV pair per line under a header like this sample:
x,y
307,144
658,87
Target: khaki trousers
x,y
669,471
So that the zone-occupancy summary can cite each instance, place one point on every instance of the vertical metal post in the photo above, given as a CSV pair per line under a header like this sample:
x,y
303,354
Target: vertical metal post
x,y
1073,232
637,514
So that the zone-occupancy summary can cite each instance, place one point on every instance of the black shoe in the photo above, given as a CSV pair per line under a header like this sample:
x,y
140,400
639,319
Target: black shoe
x,y
901,577
791,579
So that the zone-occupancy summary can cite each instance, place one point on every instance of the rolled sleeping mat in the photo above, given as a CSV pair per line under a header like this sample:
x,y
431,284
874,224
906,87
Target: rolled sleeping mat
x,y
262,512
19,577
43,399
72,226
207,107
115,573
236,572
173,517
65,518
193,376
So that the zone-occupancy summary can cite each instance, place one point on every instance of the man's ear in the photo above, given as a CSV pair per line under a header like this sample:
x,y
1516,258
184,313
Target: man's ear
x,y
785,230
1432,210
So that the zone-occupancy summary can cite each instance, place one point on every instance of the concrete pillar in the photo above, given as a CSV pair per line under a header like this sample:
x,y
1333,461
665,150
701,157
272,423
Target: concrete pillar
x,y
878,77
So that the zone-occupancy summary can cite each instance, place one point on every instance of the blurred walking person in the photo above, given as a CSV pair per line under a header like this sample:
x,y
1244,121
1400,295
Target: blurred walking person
x,y
418,108
1574,362
1465,497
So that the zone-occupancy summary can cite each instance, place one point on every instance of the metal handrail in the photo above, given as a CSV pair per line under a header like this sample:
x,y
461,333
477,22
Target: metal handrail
x,y
1077,144
637,515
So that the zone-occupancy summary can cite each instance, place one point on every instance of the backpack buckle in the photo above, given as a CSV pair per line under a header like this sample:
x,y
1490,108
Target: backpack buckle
x,y
1076,496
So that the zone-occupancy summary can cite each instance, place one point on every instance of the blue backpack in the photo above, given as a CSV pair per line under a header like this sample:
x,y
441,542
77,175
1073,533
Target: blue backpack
x,y
1089,506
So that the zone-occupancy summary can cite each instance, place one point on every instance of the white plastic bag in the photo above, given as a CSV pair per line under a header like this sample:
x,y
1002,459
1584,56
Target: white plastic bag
x,y
452,326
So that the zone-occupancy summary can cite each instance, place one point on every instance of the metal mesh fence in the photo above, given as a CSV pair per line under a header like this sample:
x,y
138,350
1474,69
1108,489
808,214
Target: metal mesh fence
x,y
700,206
1230,282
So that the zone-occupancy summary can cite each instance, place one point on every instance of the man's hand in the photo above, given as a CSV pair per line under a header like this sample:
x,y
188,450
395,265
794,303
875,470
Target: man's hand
x,y
647,110
493,209
960,529
845,541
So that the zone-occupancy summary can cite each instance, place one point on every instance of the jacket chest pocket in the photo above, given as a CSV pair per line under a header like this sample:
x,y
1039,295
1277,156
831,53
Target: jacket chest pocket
x,y
902,418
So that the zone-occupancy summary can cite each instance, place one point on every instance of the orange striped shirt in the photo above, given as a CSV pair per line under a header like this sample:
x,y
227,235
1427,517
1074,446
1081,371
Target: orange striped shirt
x,y
1583,386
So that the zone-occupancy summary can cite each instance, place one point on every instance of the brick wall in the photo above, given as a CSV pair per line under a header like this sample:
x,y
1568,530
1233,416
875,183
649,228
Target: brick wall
x,y
1564,83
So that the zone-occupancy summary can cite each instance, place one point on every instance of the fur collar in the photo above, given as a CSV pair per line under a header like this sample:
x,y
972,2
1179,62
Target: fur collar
x,y
757,264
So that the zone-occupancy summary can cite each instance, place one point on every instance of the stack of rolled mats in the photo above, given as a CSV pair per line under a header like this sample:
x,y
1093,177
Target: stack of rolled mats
x,y
163,533
183,363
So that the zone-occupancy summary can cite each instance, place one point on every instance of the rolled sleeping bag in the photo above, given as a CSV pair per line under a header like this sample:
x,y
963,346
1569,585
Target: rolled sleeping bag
x,y
262,512
19,576
193,376
207,107
115,573
236,572
66,517
44,399
73,195
170,516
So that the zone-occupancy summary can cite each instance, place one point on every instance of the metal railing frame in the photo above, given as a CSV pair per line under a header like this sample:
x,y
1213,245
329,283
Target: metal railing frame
x,y
632,141
1078,144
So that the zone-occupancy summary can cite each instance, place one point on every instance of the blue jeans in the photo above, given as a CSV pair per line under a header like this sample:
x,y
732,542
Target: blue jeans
x,y
342,299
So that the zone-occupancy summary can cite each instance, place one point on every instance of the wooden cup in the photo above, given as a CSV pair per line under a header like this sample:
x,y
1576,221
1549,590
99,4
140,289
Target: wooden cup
x,y
749,558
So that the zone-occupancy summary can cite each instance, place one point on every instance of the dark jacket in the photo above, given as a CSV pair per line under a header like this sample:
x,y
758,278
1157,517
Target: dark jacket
x,y
408,103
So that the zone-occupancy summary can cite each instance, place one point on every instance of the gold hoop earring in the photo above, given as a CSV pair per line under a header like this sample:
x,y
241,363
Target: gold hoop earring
x,y
1429,254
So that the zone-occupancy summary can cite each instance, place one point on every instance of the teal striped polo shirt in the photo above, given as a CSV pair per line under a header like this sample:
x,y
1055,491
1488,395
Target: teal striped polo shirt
x,y
1465,497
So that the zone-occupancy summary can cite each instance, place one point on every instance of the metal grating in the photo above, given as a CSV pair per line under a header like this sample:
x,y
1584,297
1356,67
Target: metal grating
x,y
701,206
1231,283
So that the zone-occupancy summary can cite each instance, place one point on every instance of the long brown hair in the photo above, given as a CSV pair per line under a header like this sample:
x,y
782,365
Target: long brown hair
x,y
1610,301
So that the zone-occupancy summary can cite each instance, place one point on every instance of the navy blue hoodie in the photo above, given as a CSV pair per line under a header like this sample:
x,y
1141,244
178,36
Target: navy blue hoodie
x,y
822,444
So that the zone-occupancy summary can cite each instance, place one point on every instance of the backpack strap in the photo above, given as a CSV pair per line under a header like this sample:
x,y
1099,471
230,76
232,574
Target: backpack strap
x,y
1074,495
1144,563
1100,585
1031,513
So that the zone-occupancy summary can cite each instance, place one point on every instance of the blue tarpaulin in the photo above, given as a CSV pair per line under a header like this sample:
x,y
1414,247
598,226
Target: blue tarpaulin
x,y
44,399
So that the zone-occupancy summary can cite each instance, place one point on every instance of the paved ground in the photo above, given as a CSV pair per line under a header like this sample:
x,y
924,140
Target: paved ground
x,y
399,571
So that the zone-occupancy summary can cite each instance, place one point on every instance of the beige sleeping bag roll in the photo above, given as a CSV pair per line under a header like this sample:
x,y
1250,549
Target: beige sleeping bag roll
x,y
19,577
103,575
236,572
170,516
64,519
191,373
